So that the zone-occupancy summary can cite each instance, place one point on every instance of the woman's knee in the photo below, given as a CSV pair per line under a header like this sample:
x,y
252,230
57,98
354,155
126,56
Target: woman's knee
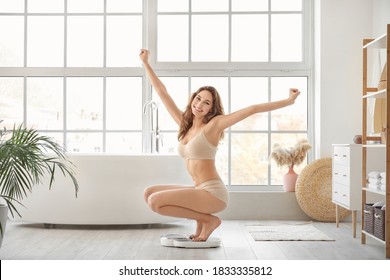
x,y
153,202
149,191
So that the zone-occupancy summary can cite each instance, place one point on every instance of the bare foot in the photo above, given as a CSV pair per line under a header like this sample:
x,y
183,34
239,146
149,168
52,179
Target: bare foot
x,y
208,228
199,227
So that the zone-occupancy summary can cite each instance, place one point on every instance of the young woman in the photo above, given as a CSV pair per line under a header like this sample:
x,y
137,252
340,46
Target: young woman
x,y
201,127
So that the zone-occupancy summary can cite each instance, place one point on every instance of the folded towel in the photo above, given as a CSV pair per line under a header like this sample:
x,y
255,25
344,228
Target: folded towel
x,y
382,187
373,186
374,174
384,207
374,181
379,204
383,174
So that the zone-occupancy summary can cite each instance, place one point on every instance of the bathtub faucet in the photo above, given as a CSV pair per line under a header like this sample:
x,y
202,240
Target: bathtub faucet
x,y
156,138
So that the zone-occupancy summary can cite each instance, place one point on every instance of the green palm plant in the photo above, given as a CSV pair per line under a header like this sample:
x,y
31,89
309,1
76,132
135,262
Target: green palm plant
x,y
26,159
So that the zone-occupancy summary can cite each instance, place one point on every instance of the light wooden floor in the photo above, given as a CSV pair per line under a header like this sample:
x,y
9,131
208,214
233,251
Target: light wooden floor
x,y
142,242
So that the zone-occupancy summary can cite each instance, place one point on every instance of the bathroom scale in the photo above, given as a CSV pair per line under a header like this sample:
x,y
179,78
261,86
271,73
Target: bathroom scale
x,y
184,241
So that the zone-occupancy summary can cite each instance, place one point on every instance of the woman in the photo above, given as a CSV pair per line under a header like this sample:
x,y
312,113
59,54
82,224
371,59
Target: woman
x,y
201,127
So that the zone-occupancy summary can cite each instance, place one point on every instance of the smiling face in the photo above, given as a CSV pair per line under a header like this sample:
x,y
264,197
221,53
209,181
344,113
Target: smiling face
x,y
202,104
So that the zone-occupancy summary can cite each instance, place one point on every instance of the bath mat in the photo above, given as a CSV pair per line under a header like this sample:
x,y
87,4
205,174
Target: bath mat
x,y
287,232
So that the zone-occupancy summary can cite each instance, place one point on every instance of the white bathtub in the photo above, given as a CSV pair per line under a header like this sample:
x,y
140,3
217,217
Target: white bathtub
x,y
111,191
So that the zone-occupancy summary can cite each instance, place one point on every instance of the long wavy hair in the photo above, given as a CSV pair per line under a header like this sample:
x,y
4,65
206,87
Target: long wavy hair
x,y
188,117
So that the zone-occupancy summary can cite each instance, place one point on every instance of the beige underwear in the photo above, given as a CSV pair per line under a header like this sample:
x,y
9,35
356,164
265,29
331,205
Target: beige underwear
x,y
217,188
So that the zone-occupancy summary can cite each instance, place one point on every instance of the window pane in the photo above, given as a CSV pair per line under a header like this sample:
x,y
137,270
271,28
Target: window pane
x,y
210,36
84,142
85,6
45,6
210,6
291,117
285,140
11,41
286,38
124,6
45,103
124,40
45,41
249,159
172,41
249,5
249,46
124,103
57,137
286,5
124,143
11,101
245,92
178,89
12,6
84,103
85,51
169,143
172,5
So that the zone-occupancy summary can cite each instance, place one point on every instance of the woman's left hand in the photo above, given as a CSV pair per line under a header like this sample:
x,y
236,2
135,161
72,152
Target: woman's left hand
x,y
294,93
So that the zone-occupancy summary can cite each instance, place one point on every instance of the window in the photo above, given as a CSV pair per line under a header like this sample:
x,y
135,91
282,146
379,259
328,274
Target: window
x,y
88,91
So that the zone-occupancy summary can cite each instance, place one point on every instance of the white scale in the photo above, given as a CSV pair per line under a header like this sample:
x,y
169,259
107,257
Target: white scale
x,y
184,241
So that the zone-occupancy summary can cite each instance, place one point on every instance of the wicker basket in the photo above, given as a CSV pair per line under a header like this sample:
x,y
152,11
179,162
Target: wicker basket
x,y
379,223
369,218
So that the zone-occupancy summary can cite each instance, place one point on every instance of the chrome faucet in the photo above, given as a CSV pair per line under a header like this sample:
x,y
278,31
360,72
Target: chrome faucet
x,y
156,138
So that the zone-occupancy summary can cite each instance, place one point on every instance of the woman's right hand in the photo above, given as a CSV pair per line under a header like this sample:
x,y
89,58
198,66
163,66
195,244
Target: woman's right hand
x,y
144,55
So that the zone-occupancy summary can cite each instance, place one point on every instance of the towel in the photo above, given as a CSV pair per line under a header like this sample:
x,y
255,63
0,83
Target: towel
x,y
379,204
374,181
374,174
383,174
382,187
373,186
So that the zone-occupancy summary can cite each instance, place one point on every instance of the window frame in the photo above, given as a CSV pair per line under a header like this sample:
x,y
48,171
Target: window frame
x,y
174,69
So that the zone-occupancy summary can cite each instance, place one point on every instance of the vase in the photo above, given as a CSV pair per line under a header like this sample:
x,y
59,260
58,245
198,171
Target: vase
x,y
289,180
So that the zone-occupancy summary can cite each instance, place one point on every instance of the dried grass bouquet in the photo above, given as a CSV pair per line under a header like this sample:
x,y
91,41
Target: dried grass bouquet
x,y
291,155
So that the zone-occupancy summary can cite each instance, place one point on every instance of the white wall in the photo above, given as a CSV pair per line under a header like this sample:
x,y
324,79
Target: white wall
x,y
340,29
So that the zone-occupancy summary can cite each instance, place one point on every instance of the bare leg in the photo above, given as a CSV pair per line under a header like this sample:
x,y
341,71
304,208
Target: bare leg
x,y
189,203
157,188
199,226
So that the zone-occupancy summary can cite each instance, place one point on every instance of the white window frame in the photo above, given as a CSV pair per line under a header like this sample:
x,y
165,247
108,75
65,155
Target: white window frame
x,y
241,69
225,69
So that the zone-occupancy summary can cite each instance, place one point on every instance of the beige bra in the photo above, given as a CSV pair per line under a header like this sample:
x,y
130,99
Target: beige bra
x,y
198,148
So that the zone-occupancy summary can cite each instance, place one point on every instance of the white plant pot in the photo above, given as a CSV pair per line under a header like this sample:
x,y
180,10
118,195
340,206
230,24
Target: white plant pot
x,y
3,220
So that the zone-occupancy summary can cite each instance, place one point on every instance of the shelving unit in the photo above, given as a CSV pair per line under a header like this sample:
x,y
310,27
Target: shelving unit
x,y
382,42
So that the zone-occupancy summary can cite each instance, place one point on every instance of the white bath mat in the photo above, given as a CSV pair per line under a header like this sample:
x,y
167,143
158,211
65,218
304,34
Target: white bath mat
x,y
287,232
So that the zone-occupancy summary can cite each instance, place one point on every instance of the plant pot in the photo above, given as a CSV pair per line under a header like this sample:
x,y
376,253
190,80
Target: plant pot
x,y
289,180
3,220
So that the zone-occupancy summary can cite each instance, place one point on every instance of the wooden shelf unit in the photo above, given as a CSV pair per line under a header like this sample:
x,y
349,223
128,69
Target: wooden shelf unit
x,y
382,42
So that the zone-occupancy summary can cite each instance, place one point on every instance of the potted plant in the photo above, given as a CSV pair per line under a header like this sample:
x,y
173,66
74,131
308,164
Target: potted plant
x,y
290,156
26,159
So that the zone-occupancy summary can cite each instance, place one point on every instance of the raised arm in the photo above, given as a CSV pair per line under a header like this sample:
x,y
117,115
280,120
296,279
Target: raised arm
x,y
225,121
160,88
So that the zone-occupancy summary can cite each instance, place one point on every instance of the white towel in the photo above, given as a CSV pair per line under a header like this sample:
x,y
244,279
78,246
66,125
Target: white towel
x,y
374,174
374,181
383,174
382,187
373,186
